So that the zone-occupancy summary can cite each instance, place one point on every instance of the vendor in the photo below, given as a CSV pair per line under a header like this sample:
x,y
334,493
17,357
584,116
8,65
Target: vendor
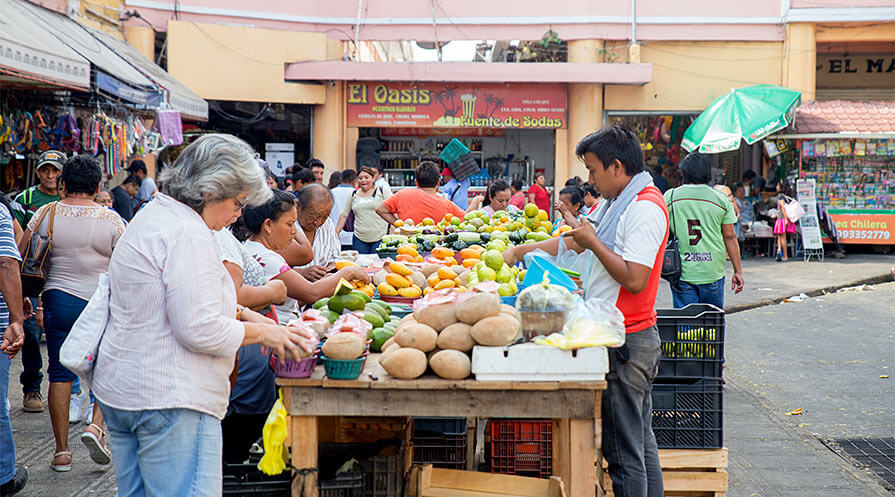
x,y
621,260
455,191
496,199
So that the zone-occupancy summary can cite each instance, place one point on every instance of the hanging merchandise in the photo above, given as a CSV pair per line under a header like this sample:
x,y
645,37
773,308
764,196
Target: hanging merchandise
x,y
170,126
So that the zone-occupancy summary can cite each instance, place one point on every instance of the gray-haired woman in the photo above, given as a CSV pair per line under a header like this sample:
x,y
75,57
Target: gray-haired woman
x,y
161,375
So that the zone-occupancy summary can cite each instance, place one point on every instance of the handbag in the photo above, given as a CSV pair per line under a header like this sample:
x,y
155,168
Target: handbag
x,y
671,259
793,209
79,350
35,265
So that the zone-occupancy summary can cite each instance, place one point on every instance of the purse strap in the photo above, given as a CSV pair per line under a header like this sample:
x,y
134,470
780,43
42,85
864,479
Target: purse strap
x,y
27,247
52,210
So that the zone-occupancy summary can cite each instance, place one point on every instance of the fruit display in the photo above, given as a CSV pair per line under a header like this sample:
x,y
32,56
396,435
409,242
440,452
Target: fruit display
x,y
375,313
398,279
441,332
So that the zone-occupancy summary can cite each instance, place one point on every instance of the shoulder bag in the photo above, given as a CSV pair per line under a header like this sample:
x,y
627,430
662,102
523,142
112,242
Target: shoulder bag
x,y
793,209
36,256
671,260
79,350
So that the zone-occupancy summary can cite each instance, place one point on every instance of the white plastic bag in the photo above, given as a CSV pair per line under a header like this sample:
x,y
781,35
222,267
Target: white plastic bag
x,y
592,323
79,350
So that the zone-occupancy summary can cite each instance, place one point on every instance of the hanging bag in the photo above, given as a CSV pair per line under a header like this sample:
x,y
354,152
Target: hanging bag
x,y
671,260
35,264
79,350
793,209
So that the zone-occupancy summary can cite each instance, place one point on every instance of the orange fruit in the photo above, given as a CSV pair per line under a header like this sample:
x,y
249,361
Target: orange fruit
x,y
399,268
442,252
446,273
445,284
397,281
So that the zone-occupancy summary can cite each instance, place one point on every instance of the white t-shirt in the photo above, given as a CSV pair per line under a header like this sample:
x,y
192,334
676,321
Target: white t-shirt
x,y
273,265
341,196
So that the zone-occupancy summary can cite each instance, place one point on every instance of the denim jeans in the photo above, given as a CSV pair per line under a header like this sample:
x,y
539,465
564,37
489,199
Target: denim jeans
x,y
7,445
61,310
364,247
165,452
684,293
629,444
32,362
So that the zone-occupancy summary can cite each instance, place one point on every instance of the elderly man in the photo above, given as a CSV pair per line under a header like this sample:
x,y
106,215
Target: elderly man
x,y
314,205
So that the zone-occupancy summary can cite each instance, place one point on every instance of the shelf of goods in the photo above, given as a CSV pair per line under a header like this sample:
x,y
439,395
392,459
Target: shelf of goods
x,y
853,182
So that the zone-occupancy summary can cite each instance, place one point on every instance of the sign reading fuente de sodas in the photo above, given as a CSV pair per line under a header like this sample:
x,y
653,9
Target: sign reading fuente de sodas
x,y
460,105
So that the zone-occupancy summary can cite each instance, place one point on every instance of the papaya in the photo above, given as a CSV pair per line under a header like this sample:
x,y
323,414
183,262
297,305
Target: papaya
x,y
340,303
387,290
400,268
410,291
330,316
397,281
343,288
373,317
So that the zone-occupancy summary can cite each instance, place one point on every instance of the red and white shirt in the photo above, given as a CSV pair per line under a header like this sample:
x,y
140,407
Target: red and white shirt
x,y
640,238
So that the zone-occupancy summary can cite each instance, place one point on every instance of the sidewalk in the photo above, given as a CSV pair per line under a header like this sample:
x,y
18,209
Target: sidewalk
x,y
768,456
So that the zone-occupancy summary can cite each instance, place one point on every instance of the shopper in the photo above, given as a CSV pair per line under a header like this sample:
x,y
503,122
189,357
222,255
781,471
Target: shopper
x,y
25,204
270,227
783,226
313,205
316,166
517,196
342,194
591,199
569,206
421,202
756,183
369,228
624,260
147,184
124,197
538,194
455,191
747,211
84,235
702,220
496,199
334,180
380,180
659,180
104,198
301,177
163,400
13,477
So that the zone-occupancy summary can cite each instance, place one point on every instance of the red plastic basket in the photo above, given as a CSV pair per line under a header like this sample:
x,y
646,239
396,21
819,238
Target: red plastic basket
x,y
522,447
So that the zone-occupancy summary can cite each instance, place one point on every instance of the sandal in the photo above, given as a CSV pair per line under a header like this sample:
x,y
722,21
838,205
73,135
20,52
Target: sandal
x,y
61,467
98,451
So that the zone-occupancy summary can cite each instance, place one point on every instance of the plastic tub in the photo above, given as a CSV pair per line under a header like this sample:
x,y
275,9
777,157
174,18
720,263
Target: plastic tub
x,y
290,368
539,266
341,369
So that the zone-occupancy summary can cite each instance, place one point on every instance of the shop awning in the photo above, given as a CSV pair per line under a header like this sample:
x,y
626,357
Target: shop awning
x,y
30,54
130,84
842,118
472,72
181,98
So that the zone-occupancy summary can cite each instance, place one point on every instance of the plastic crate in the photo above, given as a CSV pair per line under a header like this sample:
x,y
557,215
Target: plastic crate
x,y
349,484
522,447
385,477
692,341
443,426
246,480
442,451
688,415
453,151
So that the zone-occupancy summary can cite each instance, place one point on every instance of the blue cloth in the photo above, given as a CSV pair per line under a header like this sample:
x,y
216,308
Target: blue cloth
x,y
165,452
147,188
255,390
683,294
32,361
609,211
61,310
7,249
7,445
629,444
457,192
364,247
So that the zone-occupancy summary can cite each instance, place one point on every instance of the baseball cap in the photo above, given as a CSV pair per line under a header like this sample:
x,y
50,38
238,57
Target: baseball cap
x,y
447,172
52,157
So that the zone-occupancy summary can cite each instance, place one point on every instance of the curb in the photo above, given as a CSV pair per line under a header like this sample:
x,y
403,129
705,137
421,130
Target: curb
x,y
873,280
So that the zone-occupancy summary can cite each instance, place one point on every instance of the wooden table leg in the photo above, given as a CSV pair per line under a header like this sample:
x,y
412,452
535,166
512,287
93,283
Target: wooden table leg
x,y
303,432
574,456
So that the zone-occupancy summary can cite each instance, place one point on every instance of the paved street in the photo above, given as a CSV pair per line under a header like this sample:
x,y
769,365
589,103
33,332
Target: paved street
x,y
824,355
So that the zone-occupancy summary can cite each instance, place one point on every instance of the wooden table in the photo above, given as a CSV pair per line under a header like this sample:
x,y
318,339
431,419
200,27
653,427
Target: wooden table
x,y
573,406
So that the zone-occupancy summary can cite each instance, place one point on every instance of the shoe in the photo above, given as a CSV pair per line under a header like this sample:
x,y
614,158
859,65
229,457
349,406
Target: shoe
x,y
33,402
77,404
17,483
61,468
98,451
779,257
88,414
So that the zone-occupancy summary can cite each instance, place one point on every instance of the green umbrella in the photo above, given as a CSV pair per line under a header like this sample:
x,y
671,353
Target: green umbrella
x,y
749,114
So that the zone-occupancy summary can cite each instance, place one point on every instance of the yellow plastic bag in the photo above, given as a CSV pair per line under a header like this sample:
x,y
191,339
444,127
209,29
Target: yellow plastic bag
x,y
276,429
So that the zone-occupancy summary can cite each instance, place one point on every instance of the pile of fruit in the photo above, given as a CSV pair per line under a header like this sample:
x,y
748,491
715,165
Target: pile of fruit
x,y
375,312
399,280
442,331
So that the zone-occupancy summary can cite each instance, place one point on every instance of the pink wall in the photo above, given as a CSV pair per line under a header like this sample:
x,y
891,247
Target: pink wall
x,y
804,4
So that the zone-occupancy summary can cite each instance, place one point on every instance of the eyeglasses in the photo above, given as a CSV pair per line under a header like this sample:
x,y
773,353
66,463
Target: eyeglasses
x,y
241,204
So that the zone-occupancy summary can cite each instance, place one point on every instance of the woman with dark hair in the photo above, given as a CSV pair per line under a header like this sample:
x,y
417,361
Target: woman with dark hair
x,y
538,194
301,177
369,228
84,235
517,196
570,205
496,198
335,179
270,227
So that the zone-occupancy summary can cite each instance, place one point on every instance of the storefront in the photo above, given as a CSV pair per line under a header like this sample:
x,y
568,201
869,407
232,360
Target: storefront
x,y
509,128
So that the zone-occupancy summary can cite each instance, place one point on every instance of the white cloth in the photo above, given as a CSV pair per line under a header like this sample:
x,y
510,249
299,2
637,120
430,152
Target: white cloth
x,y
172,335
232,251
326,245
273,265
386,189
341,196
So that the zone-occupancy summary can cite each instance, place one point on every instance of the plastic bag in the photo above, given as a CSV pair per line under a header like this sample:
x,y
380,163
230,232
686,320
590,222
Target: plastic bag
x,y
274,434
592,323
315,319
350,321
543,308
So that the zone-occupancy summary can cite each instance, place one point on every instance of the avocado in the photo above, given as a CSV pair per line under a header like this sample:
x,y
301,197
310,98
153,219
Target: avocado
x,y
366,298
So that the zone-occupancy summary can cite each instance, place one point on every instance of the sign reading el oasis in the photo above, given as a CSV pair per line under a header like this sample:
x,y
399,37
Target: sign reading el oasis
x,y
447,105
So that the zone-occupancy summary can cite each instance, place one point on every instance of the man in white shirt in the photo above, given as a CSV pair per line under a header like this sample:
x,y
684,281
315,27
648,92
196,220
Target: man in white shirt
x,y
342,194
380,182
314,205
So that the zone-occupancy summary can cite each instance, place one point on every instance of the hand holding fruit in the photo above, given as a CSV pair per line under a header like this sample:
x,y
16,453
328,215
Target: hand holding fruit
x,y
298,342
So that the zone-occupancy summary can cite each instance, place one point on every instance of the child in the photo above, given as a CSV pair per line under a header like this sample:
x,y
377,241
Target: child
x,y
781,227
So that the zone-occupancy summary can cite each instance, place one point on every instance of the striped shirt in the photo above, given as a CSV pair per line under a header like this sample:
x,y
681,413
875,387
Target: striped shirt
x,y
7,249
326,245
172,335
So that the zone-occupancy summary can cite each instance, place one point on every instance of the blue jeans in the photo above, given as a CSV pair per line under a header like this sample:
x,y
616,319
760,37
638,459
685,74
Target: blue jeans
x,y
629,444
32,363
684,293
364,247
165,452
7,445
61,310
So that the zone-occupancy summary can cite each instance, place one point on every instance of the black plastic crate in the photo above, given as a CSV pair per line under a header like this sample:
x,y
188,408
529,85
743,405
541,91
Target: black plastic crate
x,y
349,484
384,475
692,341
442,451
246,480
688,415
444,426
381,464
